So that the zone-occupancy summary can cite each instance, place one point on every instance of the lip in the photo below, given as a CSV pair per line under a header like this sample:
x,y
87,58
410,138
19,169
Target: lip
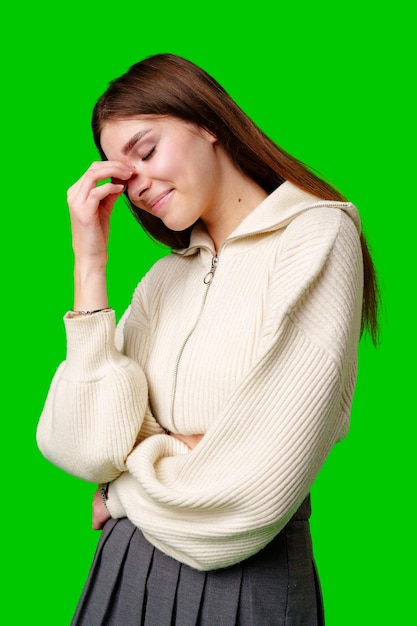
x,y
157,202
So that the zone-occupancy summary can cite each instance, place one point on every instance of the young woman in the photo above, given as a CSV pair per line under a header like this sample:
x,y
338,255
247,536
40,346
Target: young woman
x,y
208,413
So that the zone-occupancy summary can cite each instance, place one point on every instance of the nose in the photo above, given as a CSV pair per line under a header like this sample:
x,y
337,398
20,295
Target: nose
x,y
137,186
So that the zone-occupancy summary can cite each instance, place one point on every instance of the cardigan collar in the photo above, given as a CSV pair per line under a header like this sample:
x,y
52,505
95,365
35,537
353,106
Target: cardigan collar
x,y
275,212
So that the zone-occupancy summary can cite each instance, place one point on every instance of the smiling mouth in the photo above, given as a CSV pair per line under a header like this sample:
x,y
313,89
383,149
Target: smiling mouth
x,y
157,202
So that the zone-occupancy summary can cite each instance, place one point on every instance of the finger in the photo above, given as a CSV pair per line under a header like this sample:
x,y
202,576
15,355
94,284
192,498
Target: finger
x,y
99,172
109,201
83,207
103,191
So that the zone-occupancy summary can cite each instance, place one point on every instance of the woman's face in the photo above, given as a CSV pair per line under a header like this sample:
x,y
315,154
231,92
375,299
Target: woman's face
x,y
177,171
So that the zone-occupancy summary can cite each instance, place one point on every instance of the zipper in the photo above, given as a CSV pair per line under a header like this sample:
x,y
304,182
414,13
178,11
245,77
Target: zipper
x,y
208,279
210,275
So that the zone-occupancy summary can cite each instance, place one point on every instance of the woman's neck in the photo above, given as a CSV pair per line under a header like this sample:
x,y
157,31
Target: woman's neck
x,y
237,198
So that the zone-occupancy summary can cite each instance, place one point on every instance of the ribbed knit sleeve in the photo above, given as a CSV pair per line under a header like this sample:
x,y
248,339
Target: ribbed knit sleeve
x,y
226,499
96,405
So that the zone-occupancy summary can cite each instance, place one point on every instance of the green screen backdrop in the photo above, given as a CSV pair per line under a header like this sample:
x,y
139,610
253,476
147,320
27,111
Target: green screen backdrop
x,y
332,85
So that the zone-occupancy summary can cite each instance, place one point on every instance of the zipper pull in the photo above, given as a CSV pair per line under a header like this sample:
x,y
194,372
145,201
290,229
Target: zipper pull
x,y
209,276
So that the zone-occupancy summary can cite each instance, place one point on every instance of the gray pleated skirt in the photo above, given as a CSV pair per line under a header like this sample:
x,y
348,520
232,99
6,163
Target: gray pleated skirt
x,y
131,583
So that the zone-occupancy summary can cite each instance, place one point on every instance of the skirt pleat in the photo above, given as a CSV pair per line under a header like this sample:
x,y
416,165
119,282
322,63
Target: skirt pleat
x,y
220,602
264,592
190,591
302,580
161,589
129,597
131,583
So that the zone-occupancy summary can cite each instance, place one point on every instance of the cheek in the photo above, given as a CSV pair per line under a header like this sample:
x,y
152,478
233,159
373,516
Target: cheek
x,y
165,166
204,169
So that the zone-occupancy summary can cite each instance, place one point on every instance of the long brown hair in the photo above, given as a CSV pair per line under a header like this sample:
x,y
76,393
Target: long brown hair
x,y
166,84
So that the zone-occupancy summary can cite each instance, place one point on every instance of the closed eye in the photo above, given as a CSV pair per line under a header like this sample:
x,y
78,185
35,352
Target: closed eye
x,y
148,156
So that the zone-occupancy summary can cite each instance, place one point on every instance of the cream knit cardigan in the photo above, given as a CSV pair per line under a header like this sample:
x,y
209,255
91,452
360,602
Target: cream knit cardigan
x,y
259,354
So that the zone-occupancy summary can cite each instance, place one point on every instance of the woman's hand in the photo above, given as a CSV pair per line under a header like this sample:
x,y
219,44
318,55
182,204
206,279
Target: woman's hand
x,y
100,512
91,205
190,440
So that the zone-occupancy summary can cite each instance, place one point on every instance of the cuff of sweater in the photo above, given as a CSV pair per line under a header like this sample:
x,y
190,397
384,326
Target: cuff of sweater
x,y
91,346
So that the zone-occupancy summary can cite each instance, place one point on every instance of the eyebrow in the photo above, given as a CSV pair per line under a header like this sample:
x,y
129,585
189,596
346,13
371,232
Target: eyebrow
x,y
134,140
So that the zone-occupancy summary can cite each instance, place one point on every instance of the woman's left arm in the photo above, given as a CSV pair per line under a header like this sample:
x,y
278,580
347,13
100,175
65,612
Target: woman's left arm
x,y
228,497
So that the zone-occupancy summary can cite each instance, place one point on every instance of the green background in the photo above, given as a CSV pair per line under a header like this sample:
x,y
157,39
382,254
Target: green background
x,y
332,85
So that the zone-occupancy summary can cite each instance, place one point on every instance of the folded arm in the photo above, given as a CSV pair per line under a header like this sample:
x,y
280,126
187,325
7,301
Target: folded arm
x,y
229,496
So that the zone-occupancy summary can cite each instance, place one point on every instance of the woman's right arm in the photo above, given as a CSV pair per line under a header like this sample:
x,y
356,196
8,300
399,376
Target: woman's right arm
x,y
78,430
91,202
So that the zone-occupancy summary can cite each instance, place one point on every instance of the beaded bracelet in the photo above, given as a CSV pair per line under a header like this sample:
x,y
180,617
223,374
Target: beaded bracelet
x,y
90,312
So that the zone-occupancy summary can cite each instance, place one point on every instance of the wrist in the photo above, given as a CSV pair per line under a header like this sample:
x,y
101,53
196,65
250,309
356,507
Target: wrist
x,y
90,289
74,313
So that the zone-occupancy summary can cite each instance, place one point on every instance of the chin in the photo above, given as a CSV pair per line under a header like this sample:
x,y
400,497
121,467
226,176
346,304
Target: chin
x,y
178,225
